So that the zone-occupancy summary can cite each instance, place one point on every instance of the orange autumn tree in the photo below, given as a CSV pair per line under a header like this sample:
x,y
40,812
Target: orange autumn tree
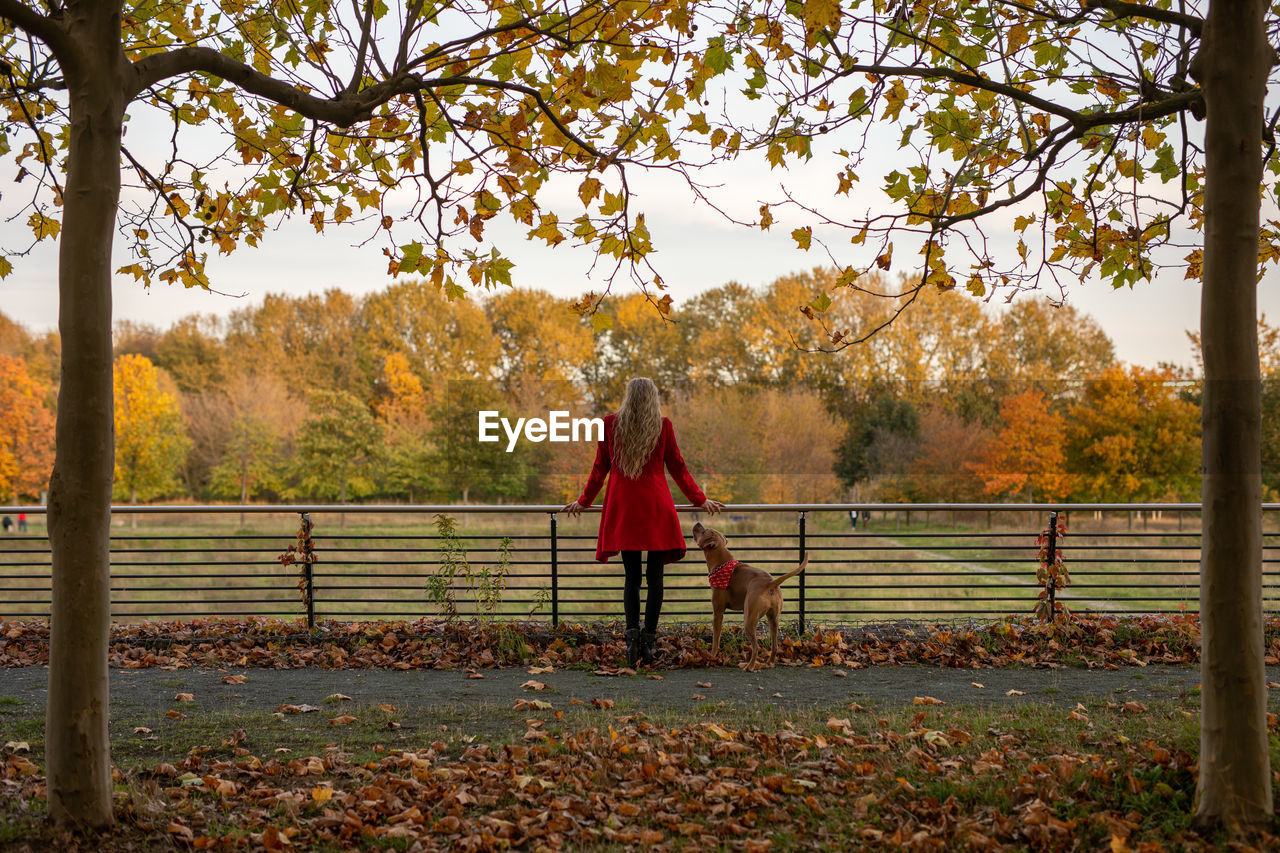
x,y
1133,437
1027,456
26,438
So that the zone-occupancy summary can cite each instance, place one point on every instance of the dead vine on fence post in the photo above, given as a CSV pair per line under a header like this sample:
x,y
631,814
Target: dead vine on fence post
x,y
1052,574
302,553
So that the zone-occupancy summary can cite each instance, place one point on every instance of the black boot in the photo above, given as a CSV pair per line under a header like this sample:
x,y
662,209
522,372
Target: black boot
x,y
648,656
633,646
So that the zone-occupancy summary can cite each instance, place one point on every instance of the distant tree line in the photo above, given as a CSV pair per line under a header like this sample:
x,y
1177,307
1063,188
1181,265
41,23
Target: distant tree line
x,y
329,397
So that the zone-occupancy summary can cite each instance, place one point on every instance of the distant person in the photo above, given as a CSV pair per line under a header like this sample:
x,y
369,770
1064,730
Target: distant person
x,y
638,513
22,522
7,524
853,519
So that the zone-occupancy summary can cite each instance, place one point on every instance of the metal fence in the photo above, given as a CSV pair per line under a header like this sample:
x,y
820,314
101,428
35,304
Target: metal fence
x,y
867,562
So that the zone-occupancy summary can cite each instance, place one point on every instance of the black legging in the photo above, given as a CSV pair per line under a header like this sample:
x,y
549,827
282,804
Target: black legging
x,y
631,591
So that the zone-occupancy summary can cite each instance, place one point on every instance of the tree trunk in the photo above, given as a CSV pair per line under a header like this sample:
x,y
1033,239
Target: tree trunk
x,y
77,752
1235,773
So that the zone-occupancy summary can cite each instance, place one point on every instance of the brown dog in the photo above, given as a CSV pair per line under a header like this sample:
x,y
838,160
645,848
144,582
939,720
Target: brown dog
x,y
752,591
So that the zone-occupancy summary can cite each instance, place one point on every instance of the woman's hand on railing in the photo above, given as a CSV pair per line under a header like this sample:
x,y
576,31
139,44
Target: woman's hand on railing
x,y
712,507
573,510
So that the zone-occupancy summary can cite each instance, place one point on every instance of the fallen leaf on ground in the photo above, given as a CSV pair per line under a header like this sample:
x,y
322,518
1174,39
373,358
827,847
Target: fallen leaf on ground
x,y
234,679
338,697
1015,693
181,831
533,685
344,720
184,697
536,704
927,700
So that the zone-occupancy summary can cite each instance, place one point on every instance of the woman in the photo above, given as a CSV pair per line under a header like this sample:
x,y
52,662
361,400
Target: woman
x,y
638,512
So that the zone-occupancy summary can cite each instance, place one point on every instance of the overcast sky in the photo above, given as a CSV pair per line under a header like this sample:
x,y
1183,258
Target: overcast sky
x,y
697,250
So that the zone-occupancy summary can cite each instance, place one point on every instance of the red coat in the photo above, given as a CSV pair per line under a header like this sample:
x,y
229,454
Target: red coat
x,y
639,514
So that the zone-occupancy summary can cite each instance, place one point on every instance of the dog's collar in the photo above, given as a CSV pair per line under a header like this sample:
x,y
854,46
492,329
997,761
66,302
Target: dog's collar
x,y
719,577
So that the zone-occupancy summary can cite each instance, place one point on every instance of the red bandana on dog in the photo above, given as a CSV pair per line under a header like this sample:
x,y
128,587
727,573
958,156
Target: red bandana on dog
x,y
719,579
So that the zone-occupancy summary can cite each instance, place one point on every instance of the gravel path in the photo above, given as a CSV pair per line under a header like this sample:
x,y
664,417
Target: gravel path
x,y
264,690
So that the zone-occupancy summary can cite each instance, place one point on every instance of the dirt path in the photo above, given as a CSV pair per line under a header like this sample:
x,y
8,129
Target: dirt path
x,y
787,687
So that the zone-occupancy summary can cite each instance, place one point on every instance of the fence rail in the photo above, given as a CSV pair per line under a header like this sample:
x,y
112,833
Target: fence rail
x,y
867,562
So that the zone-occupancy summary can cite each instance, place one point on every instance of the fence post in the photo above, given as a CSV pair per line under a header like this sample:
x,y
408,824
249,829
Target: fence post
x,y
1053,560
555,576
802,550
308,559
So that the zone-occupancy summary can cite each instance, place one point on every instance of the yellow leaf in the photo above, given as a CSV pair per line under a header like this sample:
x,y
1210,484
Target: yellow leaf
x,y
1018,36
321,794
821,14
589,190
42,226
803,237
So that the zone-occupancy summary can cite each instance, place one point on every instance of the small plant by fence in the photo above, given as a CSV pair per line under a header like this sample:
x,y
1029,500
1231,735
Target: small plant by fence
x,y
920,562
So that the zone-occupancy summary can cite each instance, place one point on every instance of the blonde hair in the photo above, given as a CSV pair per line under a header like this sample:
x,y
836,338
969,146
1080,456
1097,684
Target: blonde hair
x,y
636,431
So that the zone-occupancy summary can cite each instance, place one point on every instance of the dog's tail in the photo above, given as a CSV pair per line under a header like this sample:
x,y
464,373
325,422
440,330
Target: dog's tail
x,y
777,582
